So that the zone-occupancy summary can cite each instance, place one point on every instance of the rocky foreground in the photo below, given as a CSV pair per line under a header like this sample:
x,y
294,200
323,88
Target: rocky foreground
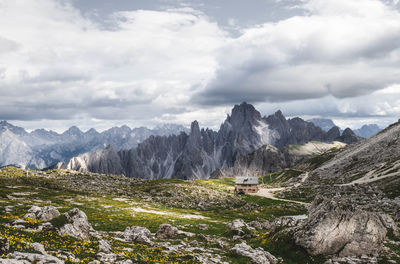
x,y
70,217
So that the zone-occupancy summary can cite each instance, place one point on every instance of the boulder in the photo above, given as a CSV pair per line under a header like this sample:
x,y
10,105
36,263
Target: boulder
x,y
37,247
23,258
337,227
138,234
257,256
104,246
166,231
46,213
4,245
107,258
237,225
77,225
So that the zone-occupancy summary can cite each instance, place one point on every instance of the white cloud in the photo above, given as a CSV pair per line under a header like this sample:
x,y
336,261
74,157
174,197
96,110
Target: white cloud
x,y
178,65
343,48
64,63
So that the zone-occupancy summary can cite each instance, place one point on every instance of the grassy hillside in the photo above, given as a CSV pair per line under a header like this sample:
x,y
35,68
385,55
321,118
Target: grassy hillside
x,y
114,202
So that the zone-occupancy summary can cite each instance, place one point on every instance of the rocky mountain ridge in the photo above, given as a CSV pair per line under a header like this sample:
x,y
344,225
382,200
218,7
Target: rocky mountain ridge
x,y
42,148
366,131
202,151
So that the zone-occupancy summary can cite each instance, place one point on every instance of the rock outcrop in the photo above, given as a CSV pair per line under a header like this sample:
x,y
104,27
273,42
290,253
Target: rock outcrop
x,y
77,225
338,227
349,137
166,231
45,214
236,225
203,151
25,258
41,148
257,256
138,234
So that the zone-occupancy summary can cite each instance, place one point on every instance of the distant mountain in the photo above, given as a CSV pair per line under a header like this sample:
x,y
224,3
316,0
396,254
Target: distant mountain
x,y
42,148
202,151
367,131
325,124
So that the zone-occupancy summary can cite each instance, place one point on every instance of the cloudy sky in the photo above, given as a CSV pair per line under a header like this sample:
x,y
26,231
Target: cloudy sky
x,y
100,63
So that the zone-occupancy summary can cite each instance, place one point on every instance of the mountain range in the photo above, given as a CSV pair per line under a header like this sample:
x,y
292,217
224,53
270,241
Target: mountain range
x,y
203,151
42,148
366,131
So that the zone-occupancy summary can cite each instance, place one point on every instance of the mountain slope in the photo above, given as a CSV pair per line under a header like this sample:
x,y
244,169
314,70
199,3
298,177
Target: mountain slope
x,y
367,131
42,148
371,165
202,152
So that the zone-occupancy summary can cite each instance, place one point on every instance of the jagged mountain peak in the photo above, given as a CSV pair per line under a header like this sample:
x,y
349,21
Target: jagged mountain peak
x,y
348,132
73,130
91,131
14,129
244,113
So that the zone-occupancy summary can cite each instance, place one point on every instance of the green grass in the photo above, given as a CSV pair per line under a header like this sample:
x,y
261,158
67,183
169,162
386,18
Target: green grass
x,y
281,243
107,214
281,176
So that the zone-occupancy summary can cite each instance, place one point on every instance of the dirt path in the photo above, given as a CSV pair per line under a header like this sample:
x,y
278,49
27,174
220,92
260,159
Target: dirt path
x,y
269,193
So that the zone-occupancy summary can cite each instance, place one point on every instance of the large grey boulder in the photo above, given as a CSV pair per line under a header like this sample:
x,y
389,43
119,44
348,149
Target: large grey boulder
x,y
167,231
257,256
138,234
77,225
338,227
46,213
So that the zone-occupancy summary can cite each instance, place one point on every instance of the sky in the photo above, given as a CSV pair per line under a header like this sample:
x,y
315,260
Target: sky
x,y
102,63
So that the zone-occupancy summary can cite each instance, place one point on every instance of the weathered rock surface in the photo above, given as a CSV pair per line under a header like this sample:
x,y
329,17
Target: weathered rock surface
x,y
338,227
46,213
104,246
257,256
42,148
138,234
166,231
26,258
236,225
77,225
203,151
37,247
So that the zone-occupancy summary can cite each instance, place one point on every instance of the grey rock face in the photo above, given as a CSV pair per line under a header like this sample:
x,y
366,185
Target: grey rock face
x,y
104,246
138,234
38,248
166,231
333,134
337,227
237,225
77,225
45,214
367,131
204,151
257,256
41,148
349,137
25,258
